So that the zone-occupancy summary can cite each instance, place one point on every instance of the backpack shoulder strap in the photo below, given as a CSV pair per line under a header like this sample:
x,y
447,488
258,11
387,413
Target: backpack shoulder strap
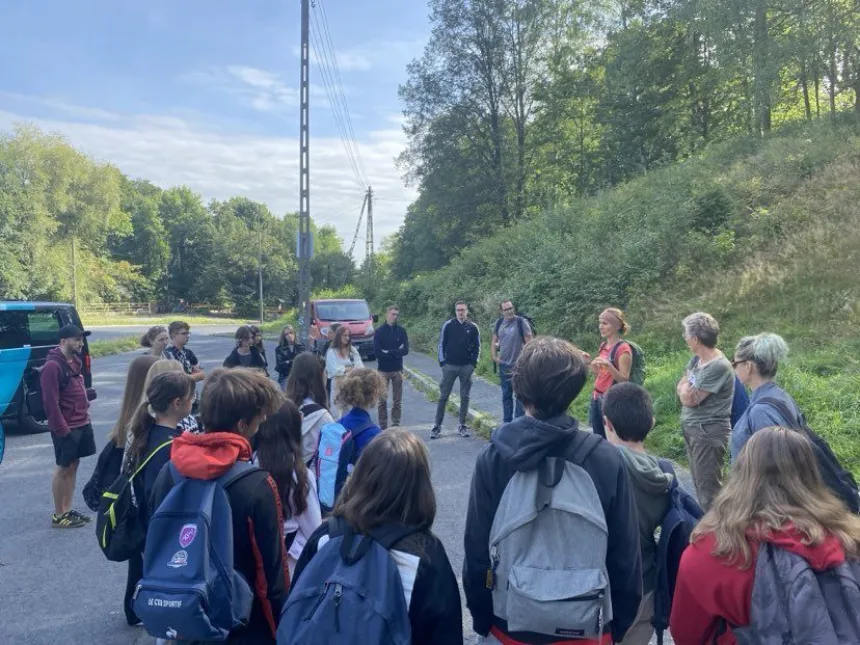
x,y
613,353
310,408
237,471
389,535
150,456
580,450
784,412
521,325
367,425
666,466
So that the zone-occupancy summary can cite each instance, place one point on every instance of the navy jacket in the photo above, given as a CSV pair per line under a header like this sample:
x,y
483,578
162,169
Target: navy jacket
x,y
157,436
390,345
257,360
459,343
520,446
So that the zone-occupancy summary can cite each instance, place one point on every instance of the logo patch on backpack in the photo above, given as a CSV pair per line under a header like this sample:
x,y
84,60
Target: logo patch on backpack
x,y
187,535
179,559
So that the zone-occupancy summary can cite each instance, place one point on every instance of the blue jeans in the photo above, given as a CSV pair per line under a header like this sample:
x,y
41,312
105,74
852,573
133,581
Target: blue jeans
x,y
595,416
508,396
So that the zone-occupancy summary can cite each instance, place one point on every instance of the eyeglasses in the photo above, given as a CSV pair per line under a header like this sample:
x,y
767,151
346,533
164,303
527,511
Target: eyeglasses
x,y
507,309
736,362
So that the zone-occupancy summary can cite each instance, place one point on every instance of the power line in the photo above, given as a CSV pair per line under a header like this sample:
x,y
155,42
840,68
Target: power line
x,y
335,105
333,84
327,33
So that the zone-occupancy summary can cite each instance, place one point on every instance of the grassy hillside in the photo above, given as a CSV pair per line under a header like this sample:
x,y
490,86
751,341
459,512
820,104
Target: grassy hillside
x,y
765,235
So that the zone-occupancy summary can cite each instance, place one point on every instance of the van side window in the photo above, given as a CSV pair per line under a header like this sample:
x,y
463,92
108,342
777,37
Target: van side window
x,y
14,330
44,328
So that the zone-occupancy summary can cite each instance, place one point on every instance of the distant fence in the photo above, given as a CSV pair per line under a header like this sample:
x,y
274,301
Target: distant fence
x,y
152,309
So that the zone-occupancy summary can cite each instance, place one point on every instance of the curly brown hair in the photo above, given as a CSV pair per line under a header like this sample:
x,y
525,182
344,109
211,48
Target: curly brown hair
x,y
360,388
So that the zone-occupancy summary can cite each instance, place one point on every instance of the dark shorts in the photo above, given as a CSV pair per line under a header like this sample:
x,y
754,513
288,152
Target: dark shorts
x,y
75,445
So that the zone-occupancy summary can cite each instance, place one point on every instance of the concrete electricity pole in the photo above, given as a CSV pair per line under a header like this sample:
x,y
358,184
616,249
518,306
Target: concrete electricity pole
x,y
368,243
304,234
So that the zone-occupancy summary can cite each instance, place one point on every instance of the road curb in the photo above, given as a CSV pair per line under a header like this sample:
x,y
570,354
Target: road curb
x,y
481,422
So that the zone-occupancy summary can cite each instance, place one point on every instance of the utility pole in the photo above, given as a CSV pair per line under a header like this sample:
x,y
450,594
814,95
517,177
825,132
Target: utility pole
x,y
368,249
75,271
260,270
304,234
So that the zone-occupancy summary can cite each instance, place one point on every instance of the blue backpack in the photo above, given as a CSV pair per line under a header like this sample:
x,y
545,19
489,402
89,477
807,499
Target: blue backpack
x,y
336,457
678,524
189,589
740,401
350,593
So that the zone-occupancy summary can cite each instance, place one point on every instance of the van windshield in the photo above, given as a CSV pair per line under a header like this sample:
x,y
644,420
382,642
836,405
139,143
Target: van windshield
x,y
342,310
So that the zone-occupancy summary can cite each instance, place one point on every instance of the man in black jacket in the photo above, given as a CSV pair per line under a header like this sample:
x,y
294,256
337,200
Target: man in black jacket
x,y
550,374
459,349
390,344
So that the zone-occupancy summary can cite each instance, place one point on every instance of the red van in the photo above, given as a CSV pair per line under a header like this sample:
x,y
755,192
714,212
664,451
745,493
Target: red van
x,y
353,313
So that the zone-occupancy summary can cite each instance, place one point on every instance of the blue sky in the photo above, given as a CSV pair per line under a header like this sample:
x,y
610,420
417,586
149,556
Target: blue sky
x,y
206,94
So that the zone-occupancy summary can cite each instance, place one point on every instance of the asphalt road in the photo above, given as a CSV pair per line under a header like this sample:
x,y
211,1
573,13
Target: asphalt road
x,y
56,587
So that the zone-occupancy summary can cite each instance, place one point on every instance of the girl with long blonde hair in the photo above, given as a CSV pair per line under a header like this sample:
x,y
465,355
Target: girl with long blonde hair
x,y
775,495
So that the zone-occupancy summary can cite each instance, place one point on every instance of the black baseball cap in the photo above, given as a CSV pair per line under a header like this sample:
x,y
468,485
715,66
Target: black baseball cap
x,y
73,331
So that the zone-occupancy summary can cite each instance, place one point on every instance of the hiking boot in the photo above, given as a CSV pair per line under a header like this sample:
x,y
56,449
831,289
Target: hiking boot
x,y
463,431
81,516
66,521
435,432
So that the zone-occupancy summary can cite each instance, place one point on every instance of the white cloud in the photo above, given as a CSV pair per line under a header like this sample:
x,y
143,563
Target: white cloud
x,y
61,106
259,89
172,151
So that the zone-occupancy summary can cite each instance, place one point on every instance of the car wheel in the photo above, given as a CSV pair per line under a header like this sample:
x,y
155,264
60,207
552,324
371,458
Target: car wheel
x,y
27,424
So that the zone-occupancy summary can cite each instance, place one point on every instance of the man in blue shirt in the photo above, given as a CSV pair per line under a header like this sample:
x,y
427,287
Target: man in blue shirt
x,y
390,344
510,335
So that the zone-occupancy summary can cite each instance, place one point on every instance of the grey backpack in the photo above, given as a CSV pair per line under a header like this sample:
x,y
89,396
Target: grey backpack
x,y
792,604
548,549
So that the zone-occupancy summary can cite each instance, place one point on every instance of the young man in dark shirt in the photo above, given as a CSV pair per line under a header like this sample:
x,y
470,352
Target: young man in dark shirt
x,y
391,344
459,349
179,332
64,396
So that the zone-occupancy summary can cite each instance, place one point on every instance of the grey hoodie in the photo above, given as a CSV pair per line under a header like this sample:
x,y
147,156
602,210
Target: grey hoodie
x,y
650,485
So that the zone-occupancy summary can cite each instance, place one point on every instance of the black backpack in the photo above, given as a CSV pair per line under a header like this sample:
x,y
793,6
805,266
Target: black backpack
x,y
838,480
33,390
120,523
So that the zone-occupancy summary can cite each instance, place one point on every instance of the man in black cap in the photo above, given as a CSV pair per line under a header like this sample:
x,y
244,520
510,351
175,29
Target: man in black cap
x,y
64,396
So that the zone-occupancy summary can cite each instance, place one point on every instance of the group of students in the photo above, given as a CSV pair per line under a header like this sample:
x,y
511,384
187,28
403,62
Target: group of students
x,y
774,559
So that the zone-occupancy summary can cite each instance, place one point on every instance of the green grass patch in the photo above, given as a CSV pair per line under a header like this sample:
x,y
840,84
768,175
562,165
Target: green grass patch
x,y
104,320
101,348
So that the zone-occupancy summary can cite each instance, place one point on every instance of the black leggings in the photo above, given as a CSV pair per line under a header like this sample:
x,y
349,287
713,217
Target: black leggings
x,y
135,573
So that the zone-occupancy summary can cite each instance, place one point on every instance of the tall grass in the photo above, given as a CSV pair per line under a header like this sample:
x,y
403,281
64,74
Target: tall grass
x,y
763,234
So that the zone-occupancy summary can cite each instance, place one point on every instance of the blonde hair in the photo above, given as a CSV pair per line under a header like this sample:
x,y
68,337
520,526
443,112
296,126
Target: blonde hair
x,y
360,388
161,367
775,481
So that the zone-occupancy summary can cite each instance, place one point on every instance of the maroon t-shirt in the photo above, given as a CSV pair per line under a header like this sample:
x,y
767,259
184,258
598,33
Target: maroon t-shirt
x,y
66,408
